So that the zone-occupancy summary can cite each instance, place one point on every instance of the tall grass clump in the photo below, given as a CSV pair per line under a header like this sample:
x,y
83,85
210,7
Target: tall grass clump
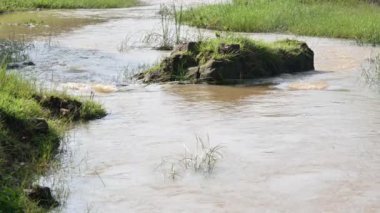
x,y
30,134
351,19
203,159
170,33
10,5
371,72
13,51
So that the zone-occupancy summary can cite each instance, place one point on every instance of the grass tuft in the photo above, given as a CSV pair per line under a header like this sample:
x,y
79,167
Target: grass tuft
x,y
13,51
371,72
91,110
203,159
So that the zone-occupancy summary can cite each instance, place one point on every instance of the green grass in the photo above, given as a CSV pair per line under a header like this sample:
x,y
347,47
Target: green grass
x,y
351,19
26,152
10,5
209,48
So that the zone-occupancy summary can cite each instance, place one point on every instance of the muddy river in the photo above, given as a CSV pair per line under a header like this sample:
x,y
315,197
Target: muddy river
x,y
295,143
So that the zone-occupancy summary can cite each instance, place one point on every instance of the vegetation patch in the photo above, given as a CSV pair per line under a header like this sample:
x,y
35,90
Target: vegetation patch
x,y
11,5
13,51
371,72
167,37
203,159
32,124
351,19
231,59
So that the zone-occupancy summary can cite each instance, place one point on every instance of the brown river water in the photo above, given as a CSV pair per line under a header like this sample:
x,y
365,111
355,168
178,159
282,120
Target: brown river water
x,y
295,143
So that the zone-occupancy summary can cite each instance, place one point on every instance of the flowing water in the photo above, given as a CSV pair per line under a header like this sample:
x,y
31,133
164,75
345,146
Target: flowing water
x,y
296,143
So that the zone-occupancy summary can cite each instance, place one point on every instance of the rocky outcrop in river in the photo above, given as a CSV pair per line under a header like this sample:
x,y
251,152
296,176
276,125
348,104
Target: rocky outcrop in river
x,y
231,60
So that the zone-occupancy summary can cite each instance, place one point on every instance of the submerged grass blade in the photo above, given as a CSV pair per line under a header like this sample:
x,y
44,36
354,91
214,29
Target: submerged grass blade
x,y
371,72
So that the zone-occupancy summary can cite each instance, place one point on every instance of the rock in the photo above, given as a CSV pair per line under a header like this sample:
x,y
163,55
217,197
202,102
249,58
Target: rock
x,y
216,71
64,112
172,68
140,76
194,73
155,76
28,63
12,66
43,197
304,60
38,125
61,107
164,48
187,47
229,48
219,71
231,62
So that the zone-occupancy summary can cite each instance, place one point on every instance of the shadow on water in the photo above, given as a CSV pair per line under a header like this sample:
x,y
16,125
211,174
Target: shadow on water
x,y
211,94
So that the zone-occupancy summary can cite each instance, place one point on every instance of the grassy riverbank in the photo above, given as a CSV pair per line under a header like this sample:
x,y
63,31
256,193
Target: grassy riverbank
x,y
352,19
11,5
32,125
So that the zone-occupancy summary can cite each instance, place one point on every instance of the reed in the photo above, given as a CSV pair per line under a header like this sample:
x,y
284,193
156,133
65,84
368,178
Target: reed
x,y
202,160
